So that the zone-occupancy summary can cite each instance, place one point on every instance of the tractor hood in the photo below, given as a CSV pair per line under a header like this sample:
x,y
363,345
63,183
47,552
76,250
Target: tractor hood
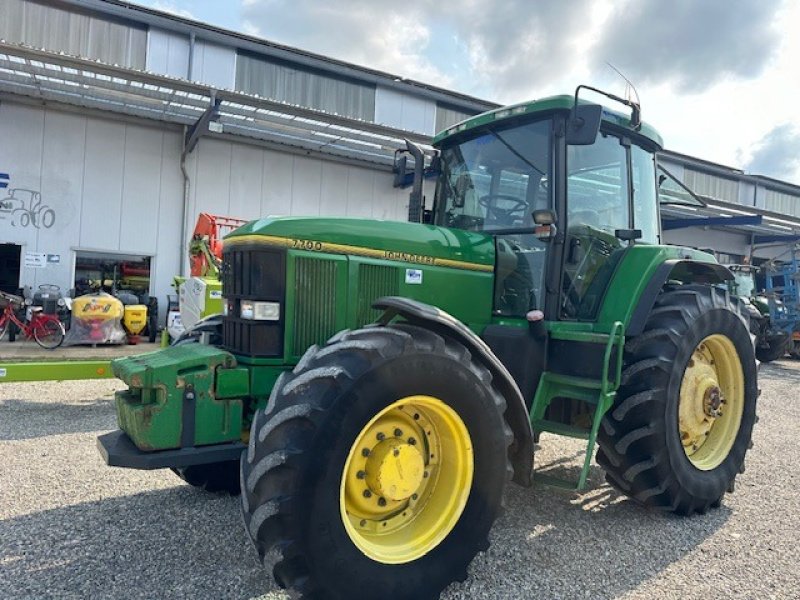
x,y
387,240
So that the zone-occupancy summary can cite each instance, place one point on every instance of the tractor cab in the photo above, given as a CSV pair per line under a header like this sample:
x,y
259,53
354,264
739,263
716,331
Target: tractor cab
x,y
572,203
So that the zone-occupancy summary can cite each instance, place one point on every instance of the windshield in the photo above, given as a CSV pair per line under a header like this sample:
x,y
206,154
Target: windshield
x,y
745,284
496,180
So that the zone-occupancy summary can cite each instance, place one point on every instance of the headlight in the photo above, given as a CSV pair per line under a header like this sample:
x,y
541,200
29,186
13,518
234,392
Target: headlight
x,y
260,311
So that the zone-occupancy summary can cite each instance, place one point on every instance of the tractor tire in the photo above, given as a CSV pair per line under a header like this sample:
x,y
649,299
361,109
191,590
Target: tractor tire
x,y
677,434
220,477
349,448
777,348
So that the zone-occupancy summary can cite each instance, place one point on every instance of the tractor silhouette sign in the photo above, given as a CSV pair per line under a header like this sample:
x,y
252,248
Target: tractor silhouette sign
x,y
24,208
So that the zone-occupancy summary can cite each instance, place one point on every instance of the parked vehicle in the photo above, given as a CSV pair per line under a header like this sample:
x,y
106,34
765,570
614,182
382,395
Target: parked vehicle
x,y
378,383
46,329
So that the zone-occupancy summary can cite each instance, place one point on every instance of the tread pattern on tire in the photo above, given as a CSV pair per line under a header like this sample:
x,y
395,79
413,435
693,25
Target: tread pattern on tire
x,y
631,438
271,468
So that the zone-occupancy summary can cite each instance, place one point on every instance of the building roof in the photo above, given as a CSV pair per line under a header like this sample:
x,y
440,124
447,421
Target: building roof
x,y
172,22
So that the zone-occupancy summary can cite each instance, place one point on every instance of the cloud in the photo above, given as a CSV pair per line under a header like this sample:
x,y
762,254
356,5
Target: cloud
x,y
775,155
509,46
381,35
691,44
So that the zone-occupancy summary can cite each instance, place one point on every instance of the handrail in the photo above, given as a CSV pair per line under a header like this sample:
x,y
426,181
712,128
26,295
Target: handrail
x,y
617,331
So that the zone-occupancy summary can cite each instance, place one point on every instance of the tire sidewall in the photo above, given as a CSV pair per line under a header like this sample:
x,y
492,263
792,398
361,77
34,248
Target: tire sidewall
x,y
713,483
332,550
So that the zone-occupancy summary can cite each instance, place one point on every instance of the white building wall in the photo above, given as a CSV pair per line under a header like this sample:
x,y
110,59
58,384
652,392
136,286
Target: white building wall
x,y
113,187
116,186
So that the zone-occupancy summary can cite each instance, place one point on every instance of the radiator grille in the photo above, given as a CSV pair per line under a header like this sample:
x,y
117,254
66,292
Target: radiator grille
x,y
314,302
258,274
374,281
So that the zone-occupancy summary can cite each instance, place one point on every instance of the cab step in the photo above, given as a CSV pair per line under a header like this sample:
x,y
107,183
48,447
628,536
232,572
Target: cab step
x,y
599,393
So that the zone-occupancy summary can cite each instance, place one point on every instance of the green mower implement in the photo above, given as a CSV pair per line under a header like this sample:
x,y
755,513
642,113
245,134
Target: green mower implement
x,y
377,383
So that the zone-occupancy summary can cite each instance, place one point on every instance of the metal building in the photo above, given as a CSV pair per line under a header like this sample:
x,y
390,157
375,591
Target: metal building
x,y
119,124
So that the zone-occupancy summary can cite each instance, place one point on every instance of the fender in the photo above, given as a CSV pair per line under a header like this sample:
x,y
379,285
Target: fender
x,y
686,271
516,414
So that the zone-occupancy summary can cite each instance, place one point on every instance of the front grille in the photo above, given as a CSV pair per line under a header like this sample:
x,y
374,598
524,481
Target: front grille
x,y
314,302
253,273
374,281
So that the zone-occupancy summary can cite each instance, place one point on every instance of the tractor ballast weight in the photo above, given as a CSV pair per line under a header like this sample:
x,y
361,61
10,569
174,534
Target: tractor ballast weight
x,y
388,378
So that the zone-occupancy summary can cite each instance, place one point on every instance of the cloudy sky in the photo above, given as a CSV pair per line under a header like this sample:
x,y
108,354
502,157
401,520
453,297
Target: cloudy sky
x,y
720,79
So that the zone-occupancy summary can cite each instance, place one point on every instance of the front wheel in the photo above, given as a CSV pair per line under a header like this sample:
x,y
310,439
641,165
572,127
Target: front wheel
x,y
48,333
378,467
678,432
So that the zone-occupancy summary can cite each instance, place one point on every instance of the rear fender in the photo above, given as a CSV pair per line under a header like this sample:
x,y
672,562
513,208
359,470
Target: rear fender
x,y
685,271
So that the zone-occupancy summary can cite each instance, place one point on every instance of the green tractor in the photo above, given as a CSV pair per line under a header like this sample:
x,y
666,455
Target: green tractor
x,y
378,382
772,343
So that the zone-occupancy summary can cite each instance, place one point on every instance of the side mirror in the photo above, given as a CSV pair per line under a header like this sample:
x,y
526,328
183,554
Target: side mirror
x,y
584,124
544,216
545,220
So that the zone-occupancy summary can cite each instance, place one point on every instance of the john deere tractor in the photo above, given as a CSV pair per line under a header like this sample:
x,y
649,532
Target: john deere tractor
x,y
379,382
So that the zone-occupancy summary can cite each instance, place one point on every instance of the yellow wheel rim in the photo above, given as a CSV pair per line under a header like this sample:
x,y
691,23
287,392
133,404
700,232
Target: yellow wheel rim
x,y
711,402
406,480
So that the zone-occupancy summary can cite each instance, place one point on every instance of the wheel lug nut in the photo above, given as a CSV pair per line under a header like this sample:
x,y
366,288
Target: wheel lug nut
x,y
361,474
380,437
396,452
416,416
425,474
414,496
381,501
363,522
367,494
365,452
412,441
398,432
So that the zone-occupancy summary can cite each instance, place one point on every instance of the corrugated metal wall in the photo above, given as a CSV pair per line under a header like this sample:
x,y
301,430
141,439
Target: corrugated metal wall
x,y
84,35
712,186
447,116
404,111
782,203
278,81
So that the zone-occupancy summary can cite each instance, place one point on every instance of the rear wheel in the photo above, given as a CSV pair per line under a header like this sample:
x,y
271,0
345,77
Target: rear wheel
x,y
378,467
221,477
678,432
48,333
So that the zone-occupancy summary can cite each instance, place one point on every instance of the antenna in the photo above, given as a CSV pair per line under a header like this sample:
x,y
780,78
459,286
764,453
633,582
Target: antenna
x,y
628,84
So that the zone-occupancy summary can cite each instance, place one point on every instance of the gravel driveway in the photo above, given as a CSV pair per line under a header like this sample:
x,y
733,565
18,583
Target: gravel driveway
x,y
70,527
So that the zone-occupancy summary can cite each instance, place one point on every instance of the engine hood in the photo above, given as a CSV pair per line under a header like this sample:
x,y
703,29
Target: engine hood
x,y
388,240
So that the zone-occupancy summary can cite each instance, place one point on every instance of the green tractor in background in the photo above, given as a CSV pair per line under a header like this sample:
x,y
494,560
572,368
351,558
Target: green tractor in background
x,y
772,343
379,382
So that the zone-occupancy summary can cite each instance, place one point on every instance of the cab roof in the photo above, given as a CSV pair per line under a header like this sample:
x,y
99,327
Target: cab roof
x,y
544,105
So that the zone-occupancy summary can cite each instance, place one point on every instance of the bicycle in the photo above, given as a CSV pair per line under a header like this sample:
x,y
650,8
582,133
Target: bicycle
x,y
46,330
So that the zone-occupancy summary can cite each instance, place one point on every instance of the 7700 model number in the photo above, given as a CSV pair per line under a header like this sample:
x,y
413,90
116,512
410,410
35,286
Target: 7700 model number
x,y
307,245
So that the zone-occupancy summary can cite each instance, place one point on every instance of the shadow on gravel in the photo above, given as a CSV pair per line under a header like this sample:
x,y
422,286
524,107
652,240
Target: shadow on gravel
x,y
595,544
788,370
172,543
50,418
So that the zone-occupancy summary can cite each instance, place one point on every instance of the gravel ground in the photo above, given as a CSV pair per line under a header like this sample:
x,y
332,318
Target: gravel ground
x,y
71,527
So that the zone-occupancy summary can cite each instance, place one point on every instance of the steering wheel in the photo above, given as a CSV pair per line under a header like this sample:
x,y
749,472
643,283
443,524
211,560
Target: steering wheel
x,y
503,214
